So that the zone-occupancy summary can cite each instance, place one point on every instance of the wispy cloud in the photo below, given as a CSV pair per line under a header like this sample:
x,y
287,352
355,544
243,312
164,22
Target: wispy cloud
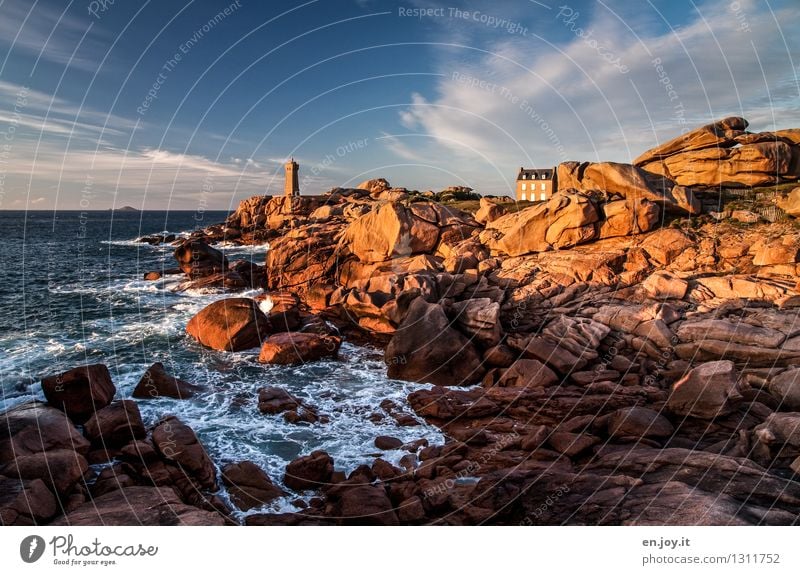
x,y
522,99
50,33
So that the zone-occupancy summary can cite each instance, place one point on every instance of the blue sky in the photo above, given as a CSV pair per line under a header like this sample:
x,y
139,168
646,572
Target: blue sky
x,y
97,111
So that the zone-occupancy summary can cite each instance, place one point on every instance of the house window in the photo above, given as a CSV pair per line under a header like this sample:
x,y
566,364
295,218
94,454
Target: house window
x,y
543,196
523,197
524,187
544,186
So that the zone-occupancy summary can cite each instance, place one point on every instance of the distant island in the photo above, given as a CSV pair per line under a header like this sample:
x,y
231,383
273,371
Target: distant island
x,y
124,209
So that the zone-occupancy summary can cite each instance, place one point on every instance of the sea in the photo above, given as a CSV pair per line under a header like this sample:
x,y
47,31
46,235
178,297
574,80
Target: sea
x,y
73,294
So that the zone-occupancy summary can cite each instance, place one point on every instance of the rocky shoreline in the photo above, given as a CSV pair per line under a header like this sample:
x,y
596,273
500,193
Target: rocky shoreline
x,y
624,353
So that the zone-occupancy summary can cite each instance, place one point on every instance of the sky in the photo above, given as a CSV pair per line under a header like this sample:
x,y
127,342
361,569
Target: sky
x,y
195,105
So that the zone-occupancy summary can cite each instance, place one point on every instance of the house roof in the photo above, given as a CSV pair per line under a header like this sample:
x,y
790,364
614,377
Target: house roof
x,y
528,172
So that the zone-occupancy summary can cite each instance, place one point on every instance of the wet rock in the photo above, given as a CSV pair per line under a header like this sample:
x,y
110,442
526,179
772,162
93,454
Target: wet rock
x,y
197,259
309,472
81,391
232,324
272,400
385,442
292,348
116,424
443,403
249,486
156,382
707,391
177,443
571,444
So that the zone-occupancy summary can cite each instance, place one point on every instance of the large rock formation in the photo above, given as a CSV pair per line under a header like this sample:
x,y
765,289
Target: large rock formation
x,y
80,391
197,259
426,348
723,154
625,181
232,324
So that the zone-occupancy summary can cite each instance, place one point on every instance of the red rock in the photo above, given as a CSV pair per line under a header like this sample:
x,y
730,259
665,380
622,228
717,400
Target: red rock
x,y
444,403
666,244
25,502
389,231
272,400
81,391
248,485
197,259
719,133
528,373
60,469
156,382
571,444
232,324
152,276
292,348
426,349
34,427
489,211
707,391
386,442
139,505
639,422
309,472
411,510
363,505
178,443
566,220
116,424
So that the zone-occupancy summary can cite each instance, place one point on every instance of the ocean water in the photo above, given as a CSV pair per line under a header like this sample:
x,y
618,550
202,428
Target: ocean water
x,y
73,293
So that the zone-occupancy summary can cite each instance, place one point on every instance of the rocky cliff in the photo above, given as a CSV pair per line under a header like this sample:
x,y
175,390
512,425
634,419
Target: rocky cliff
x,y
611,356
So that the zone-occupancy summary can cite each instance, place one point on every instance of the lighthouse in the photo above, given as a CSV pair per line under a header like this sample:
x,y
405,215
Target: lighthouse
x,y
292,186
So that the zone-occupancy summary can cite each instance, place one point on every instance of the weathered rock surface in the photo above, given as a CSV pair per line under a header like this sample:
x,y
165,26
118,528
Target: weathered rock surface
x,y
139,506
81,391
248,485
426,348
156,382
197,259
232,324
722,154
707,391
292,348
309,472
116,424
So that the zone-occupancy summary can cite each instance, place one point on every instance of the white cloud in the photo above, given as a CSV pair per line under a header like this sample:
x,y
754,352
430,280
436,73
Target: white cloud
x,y
50,33
114,176
539,104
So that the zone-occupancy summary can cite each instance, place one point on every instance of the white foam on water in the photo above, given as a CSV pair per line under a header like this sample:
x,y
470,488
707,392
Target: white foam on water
x,y
234,248
226,418
266,305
